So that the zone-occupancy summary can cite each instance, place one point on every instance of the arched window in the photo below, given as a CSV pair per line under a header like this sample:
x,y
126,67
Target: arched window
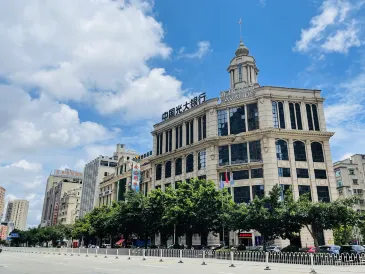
x,y
299,151
317,152
168,169
158,172
178,166
189,163
282,150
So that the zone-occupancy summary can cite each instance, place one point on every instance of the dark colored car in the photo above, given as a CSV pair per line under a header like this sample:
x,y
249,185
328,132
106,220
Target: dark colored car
x,y
352,249
330,249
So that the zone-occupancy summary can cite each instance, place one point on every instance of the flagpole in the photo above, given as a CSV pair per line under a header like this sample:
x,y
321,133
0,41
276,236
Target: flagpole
x,y
240,22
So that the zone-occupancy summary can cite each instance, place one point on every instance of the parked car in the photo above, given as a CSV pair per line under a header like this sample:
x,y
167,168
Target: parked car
x,y
331,249
352,249
273,248
308,249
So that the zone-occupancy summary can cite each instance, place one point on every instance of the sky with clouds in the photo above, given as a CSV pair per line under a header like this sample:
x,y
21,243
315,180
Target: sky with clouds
x,y
78,77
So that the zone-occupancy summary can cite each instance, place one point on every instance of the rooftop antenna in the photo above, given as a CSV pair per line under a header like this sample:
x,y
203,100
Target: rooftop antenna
x,y
240,23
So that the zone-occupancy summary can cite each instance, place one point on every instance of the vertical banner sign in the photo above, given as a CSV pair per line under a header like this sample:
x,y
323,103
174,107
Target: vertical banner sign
x,y
136,175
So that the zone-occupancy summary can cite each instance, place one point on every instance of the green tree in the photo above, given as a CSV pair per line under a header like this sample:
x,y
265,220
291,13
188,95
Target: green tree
x,y
265,215
342,235
320,216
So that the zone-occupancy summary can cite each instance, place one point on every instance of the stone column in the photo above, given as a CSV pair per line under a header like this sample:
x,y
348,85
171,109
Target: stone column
x,y
173,173
304,116
195,127
321,117
265,113
268,151
293,169
184,134
174,139
212,122
311,171
287,115
154,144
195,172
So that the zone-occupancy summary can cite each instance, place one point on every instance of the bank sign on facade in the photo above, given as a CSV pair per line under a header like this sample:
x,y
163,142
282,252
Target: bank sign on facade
x,y
194,102
238,93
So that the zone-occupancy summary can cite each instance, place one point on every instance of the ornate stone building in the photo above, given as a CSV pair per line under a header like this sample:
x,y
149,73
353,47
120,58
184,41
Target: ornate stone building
x,y
261,135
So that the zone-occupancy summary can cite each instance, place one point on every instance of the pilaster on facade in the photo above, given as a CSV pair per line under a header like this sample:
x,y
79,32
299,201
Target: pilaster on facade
x,y
304,116
287,116
265,110
331,177
313,182
174,138
321,116
293,169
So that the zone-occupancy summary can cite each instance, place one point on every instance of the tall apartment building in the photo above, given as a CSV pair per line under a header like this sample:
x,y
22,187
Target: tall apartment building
x,y
69,207
58,183
350,178
2,202
17,213
94,173
262,135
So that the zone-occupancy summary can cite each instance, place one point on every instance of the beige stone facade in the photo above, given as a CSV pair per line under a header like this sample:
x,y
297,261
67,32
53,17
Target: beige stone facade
x,y
58,184
263,135
350,179
17,213
69,208
2,202
113,187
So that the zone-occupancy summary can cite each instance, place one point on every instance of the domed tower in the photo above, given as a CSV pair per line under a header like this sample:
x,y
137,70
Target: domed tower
x,y
242,69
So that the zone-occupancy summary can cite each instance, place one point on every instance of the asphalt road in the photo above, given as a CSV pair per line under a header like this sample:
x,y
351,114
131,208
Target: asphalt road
x,y
24,263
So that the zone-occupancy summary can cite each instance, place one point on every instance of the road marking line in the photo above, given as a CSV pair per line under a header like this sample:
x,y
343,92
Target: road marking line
x,y
158,266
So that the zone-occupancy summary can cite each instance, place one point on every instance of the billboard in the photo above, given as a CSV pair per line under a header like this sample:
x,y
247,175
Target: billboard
x,y
136,175
67,173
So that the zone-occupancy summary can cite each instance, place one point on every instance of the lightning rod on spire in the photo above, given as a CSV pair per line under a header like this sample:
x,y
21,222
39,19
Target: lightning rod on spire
x,y
240,23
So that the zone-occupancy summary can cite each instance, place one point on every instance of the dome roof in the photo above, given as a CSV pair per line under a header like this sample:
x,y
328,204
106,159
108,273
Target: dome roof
x,y
242,50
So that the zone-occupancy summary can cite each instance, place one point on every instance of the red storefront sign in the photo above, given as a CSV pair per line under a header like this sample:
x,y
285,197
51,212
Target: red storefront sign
x,y
244,235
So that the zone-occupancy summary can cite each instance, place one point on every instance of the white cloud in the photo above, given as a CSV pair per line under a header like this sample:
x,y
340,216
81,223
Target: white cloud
x,y
346,115
343,40
82,50
334,29
27,165
203,48
41,124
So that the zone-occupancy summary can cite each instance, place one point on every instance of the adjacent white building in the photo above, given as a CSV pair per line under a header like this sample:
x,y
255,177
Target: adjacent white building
x,y
94,173
17,213
350,178
58,184
262,135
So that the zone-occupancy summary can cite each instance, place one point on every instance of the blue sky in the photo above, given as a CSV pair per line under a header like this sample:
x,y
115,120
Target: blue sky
x,y
77,77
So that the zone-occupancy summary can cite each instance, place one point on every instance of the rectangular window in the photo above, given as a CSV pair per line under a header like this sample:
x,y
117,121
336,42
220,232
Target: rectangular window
x,y
112,164
104,163
170,140
312,116
258,191
201,160
239,153
223,155
292,116
202,128
302,173
284,172
222,122
320,174
255,151
203,177
351,172
167,185
241,175
278,114
159,143
189,132
323,194
284,190
257,173
355,181
252,117
298,116
242,194
237,120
